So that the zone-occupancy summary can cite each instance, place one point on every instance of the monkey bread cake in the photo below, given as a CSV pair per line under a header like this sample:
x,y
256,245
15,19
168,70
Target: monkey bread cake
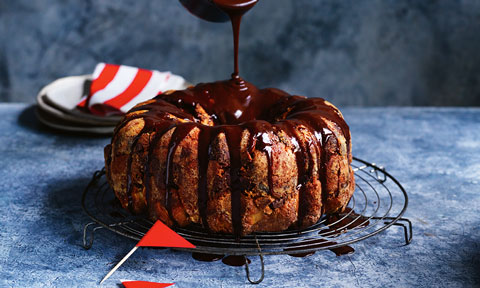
x,y
232,160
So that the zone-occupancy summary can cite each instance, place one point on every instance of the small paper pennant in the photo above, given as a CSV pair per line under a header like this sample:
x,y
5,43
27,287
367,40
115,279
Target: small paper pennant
x,y
158,236
145,284
162,236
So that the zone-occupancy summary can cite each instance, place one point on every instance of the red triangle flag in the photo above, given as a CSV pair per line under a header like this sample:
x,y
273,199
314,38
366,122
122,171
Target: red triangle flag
x,y
162,236
145,284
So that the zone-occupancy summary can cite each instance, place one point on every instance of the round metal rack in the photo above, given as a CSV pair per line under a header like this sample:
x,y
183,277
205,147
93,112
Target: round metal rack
x,y
379,201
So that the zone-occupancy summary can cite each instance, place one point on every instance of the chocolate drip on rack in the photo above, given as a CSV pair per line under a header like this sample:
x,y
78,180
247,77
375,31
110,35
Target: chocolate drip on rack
x,y
232,260
316,244
337,223
236,260
340,222
207,257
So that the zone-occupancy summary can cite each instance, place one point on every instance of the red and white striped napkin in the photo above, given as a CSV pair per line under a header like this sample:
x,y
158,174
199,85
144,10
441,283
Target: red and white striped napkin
x,y
115,89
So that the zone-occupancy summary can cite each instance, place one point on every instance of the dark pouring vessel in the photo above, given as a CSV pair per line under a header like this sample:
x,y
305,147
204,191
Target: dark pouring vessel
x,y
206,10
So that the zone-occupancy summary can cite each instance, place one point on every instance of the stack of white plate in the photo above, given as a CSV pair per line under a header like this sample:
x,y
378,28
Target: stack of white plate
x,y
57,108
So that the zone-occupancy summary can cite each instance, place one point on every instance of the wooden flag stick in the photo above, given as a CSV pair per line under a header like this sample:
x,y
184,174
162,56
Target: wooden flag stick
x,y
119,264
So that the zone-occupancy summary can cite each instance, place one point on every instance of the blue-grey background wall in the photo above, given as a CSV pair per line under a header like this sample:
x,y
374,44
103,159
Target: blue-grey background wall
x,y
372,52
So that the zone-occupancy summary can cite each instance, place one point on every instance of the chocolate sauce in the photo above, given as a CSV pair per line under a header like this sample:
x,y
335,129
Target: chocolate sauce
x,y
235,10
341,222
316,244
236,260
203,157
233,135
261,141
342,250
207,257
302,255
181,131
302,153
205,9
234,106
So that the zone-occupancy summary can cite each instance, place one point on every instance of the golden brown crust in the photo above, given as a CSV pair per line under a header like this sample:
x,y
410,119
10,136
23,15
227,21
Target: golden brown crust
x,y
121,149
157,188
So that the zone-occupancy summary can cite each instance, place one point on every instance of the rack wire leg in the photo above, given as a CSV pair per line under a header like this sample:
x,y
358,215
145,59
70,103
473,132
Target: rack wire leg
x,y
247,270
407,228
88,241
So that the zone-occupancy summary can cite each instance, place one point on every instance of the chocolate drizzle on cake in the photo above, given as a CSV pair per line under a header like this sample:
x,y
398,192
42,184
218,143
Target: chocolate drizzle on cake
x,y
159,114
203,159
234,107
302,157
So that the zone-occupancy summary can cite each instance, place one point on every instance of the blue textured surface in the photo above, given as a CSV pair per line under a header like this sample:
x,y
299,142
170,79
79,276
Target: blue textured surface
x,y
433,152
378,52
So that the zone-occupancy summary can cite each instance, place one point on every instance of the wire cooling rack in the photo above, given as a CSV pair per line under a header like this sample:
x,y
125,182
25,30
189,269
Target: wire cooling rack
x,y
379,202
